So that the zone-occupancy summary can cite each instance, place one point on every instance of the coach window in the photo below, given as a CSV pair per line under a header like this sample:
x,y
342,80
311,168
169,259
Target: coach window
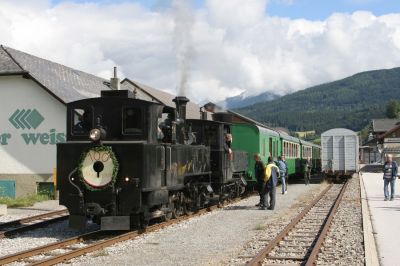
x,y
133,121
263,148
287,150
82,121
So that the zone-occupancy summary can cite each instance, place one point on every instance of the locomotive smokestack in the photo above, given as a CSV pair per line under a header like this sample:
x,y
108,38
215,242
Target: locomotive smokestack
x,y
180,102
114,82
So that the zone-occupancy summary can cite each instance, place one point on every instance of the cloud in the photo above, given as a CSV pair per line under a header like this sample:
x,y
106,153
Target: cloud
x,y
235,47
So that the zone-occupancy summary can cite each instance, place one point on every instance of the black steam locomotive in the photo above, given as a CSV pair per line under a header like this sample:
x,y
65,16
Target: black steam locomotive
x,y
127,161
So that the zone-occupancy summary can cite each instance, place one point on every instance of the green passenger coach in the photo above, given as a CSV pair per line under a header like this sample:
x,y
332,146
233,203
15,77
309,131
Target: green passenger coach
x,y
291,151
313,151
255,139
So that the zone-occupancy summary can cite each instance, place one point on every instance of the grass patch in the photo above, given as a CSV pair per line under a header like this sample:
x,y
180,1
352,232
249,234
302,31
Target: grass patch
x,y
260,227
26,201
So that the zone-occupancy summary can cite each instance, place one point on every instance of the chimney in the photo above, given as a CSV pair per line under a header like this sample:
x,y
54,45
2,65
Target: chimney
x,y
180,102
114,82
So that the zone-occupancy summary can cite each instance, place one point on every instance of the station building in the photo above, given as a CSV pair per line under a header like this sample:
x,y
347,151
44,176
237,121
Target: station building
x,y
33,97
384,138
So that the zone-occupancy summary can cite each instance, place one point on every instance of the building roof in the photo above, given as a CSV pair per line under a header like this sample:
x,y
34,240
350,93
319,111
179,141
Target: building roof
x,y
192,109
64,83
389,132
8,65
68,84
383,125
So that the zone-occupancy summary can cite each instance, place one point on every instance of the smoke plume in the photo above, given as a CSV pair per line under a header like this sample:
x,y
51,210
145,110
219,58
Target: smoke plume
x,y
183,18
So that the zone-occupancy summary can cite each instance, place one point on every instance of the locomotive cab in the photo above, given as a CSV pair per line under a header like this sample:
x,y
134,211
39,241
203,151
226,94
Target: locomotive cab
x,y
228,166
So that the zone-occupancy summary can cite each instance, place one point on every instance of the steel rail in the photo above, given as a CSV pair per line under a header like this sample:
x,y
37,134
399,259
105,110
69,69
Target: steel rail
x,y
76,252
259,258
25,224
312,259
39,250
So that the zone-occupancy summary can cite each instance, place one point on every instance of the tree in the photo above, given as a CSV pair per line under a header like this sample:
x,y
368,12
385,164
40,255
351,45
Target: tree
x,y
364,133
393,109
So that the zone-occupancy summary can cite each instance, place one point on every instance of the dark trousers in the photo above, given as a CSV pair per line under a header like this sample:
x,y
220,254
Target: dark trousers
x,y
307,177
260,189
268,190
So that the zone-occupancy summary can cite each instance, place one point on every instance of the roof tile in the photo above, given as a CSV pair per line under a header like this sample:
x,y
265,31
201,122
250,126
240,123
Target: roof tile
x,y
7,64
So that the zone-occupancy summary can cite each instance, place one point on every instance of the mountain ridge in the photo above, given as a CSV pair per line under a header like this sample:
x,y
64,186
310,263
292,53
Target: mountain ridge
x,y
240,100
350,102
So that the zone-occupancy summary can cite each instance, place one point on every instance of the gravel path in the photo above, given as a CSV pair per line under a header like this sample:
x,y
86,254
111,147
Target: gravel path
x,y
211,239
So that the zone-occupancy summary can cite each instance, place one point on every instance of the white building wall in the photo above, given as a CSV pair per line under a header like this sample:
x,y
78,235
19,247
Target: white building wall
x,y
29,151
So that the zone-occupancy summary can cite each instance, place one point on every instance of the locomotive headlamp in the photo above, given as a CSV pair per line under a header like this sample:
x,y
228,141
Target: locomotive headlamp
x,y
95,134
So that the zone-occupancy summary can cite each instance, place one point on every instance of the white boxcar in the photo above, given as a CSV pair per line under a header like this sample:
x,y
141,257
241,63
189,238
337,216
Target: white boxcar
x,y
339,152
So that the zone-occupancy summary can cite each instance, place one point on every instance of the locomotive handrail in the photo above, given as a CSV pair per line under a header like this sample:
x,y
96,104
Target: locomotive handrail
x,y
72,183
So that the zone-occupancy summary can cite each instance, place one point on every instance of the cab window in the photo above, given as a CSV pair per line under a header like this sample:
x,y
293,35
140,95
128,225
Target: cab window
x,y
211,135
82,121
132,121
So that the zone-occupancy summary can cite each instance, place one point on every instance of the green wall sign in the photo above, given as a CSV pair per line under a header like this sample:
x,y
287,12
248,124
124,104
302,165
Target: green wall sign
x,y
27,119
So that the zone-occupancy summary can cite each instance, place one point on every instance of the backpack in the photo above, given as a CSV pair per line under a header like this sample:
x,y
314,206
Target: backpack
x,y
268,172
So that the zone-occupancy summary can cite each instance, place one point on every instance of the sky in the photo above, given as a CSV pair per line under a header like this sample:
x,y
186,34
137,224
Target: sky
x,y
212,49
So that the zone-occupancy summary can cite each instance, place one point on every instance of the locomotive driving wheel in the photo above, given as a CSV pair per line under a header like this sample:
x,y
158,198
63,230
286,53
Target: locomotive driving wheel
x,y
170,212
177,202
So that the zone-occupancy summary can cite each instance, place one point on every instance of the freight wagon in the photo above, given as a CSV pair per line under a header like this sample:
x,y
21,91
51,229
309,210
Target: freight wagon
x,y
339,152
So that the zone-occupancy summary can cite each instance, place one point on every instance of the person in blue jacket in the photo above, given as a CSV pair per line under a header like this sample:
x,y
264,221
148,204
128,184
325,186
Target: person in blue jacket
x,y
389,177
283,169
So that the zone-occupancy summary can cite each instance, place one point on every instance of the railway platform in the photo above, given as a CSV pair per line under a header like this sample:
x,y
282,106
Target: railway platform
x,y
385,219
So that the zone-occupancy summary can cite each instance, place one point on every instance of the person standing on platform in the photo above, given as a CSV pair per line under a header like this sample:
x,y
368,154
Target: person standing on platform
x,y
259,172
271,180
389,177
307,171
283,169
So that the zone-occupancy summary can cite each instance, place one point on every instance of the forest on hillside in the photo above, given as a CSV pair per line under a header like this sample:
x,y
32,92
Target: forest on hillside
x,y
350,103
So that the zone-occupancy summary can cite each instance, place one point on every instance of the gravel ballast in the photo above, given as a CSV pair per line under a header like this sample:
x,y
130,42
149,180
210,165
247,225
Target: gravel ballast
x,y
37,237
213,238
344,244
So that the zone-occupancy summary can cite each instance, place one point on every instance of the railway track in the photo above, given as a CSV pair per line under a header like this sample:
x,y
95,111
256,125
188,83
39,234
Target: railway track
x,y
82,244
11,228
300,242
